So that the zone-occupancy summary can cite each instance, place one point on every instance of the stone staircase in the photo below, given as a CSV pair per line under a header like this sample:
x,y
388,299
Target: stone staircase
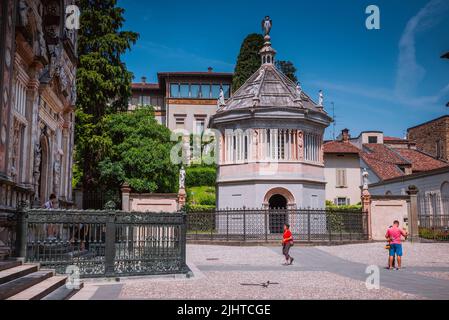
x,y
20,281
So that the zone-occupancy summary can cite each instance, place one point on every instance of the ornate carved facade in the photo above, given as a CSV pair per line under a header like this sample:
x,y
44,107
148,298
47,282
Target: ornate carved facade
x,y
37,67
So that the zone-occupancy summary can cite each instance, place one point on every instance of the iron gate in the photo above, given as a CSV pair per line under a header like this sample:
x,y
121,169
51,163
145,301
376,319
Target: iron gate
x,y
102,243
433,216
267,225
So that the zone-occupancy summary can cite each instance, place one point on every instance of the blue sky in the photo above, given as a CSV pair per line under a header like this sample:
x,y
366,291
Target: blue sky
x,y
388,79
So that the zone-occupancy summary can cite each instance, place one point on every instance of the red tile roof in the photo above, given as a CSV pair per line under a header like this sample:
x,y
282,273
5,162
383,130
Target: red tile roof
x,y
393,139
148,86
386,161
340,147
421,161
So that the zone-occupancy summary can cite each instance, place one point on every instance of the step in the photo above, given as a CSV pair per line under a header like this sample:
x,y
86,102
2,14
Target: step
x,y
17,272
42,289
4,265
63,293
14,287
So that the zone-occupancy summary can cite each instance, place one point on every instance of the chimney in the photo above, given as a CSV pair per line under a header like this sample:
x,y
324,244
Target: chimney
x,y
345,135
210,69
144,80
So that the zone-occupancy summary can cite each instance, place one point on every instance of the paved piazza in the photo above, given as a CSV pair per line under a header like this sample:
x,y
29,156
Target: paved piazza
x,y
337,272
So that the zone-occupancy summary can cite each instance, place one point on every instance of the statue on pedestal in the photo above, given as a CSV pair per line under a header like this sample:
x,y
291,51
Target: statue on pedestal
x,y
182,178
321,99
221,99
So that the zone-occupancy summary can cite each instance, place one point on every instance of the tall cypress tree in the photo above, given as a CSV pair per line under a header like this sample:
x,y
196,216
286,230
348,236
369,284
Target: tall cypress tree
x,y
248,60
103,82
287,68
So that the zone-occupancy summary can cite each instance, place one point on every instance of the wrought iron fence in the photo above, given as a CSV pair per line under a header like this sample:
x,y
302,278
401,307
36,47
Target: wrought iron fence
x,y
7,233
102,243
433,213
267,225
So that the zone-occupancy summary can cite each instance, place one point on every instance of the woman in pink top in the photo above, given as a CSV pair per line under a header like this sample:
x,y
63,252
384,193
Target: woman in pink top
x,y
394,235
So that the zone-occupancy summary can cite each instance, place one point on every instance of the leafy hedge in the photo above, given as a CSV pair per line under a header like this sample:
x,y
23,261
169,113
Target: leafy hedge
x,y
331,206
437,235
201,176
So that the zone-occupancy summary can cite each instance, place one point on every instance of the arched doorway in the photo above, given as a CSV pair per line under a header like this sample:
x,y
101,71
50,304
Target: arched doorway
x,y
278,202
278,213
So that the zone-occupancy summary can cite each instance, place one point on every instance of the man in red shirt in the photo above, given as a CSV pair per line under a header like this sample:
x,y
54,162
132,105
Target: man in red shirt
x,y
394,236
287,243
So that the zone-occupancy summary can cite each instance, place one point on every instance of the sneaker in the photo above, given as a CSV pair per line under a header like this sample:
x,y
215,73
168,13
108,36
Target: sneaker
x,y
291,261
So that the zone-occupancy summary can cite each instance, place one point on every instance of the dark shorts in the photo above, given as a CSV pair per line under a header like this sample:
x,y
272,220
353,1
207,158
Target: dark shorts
x,y
396,250
286,248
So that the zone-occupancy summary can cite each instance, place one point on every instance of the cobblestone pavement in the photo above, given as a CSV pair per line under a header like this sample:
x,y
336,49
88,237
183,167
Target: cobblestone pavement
x,y
319,273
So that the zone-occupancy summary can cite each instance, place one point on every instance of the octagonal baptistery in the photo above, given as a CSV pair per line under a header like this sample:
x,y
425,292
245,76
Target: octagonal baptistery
x,y
271,143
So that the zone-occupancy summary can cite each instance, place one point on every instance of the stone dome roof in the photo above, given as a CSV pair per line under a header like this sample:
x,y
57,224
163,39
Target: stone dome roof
x,y
269,87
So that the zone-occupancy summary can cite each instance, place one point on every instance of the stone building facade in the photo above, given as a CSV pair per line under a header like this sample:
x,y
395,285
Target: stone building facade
x,y
38,66
183,100
432,137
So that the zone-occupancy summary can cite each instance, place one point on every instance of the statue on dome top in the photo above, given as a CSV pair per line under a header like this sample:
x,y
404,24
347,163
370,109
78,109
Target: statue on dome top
x,y
267,24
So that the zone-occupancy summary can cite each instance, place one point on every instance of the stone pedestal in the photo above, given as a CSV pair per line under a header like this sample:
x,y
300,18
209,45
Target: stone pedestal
x,y
182,199
366,205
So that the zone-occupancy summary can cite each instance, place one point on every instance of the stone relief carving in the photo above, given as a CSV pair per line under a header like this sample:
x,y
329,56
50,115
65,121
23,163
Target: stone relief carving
x,y
23,13
15,148
301,144
37,169
57,174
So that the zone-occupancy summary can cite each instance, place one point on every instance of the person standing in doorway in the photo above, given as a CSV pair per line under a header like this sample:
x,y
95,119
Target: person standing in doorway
x,y
287,243
394,235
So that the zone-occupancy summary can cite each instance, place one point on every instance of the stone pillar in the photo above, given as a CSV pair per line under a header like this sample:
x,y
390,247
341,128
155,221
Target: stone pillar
x,y
126,190
413,214
182,199
366,205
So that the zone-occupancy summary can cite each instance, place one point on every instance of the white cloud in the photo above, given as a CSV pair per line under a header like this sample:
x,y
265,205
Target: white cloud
x,y
410,73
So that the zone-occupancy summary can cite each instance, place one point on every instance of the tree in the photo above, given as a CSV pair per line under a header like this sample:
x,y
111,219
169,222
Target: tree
x,y
139,153
288,69
248,60
103,82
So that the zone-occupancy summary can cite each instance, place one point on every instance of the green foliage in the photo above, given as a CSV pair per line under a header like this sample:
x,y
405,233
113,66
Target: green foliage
x,y
199,208
248,61
103,84
437,235
332,206
201,176
288,69
203,196
139,152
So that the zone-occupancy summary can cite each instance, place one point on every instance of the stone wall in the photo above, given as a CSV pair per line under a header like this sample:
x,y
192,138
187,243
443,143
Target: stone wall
x,y
150,202
426,137
384,211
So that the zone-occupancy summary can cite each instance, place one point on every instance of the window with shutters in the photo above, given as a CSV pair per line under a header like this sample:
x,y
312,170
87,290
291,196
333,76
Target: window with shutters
x,y
341,178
